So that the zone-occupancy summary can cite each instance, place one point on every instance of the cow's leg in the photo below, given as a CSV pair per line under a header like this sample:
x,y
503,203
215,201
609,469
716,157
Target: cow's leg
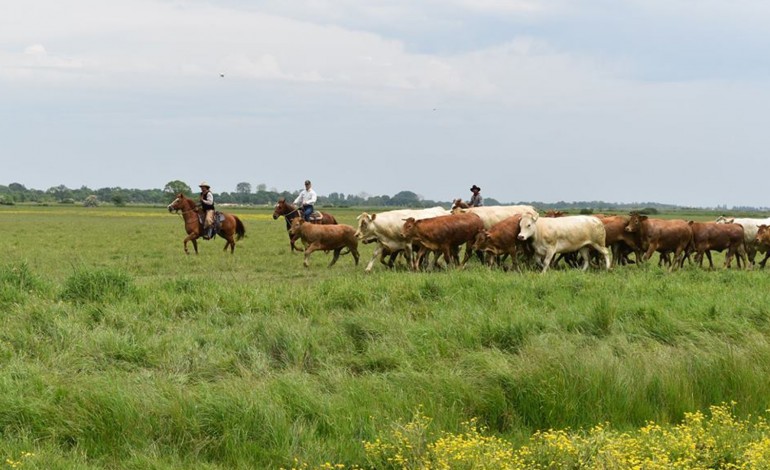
x,y
354,251
335,256
605,253
751,253
377,251
308,250
678,260
650,250
711,261
549,254
764,261
585,253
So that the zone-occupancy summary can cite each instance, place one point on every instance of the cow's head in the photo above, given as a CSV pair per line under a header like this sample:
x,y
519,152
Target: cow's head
x,y
296,225
482,240
725,220
409,230
527,226
635,222
364,225
763,235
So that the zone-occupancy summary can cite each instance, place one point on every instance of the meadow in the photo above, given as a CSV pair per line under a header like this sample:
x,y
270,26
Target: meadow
x,y
119,351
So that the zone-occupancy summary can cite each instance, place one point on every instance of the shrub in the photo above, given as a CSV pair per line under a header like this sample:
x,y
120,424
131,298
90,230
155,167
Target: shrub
x,y
97,285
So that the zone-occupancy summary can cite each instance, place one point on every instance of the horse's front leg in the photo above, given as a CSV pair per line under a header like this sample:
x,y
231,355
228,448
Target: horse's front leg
x,y
191,237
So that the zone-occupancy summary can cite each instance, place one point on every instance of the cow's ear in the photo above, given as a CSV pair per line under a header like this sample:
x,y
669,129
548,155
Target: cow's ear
x,y
643,217
690,222
763,227
535,217
374,216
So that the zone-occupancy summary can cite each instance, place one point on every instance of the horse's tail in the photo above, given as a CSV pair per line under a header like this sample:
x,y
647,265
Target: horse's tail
x,y
240,230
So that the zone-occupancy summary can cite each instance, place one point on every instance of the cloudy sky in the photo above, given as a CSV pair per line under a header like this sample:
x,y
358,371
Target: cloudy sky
x,y
615,100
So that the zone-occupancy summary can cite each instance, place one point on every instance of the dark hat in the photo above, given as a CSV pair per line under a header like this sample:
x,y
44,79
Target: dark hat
x,y
307,182
475,188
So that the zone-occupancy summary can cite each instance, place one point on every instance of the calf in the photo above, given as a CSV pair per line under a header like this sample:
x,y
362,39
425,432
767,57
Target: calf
x,y
501,239
385,229
443,234
551,236
325,237
661,235
707,236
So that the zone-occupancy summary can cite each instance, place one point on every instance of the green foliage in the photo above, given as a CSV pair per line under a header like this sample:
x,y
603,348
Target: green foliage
x,y
144,357
91,201
97,285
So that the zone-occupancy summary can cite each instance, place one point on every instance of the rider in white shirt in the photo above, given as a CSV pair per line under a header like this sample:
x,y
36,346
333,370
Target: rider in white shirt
x,y
306,199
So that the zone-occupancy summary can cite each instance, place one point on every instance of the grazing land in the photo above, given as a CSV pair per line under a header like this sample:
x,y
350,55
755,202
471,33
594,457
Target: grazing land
x,y
118,350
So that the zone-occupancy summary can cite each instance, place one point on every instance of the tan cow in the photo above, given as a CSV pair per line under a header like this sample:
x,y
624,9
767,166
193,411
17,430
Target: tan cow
x,y
325,237
551,236
384,228
491,215
443,235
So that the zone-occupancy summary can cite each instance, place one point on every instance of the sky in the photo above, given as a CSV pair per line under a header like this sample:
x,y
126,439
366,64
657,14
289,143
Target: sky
x,y
560,100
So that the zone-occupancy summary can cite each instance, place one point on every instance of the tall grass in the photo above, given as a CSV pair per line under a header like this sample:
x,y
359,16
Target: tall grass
x,y
130,354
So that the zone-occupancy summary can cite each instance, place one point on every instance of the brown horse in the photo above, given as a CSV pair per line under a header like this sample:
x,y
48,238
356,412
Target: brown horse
x,y
289,212
459,203
231,228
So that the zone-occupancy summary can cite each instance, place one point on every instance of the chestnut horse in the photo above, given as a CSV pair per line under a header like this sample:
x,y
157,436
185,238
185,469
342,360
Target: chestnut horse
x,y
289,212
231,228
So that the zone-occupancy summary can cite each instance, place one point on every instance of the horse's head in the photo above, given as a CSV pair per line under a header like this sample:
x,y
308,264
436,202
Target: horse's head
x,y
177,203
281,208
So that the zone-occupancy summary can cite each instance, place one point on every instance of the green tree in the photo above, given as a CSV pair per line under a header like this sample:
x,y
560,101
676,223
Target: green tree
x,y
405,198
243,188
176,187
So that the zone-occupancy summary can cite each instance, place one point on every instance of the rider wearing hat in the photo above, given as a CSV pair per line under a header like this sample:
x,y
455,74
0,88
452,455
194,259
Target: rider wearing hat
x,y
476,199
207,205
307,197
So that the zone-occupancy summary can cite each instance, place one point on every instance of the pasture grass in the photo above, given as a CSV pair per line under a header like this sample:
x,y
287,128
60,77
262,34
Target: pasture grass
x,y
118,350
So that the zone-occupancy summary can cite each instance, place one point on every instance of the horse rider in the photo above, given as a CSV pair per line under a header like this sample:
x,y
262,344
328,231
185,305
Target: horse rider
x,y
207,205
476,199
306,199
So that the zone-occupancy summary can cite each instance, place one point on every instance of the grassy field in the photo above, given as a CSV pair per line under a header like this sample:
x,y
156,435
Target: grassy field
x,y
117,350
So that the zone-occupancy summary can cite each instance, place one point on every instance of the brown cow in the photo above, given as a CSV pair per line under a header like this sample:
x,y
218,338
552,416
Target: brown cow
x,y
707,236
501,239
662,236
619,240
443,234
762,242
325,237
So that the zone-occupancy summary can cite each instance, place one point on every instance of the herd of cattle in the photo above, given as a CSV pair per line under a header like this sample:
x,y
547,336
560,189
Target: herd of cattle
x,y
518,232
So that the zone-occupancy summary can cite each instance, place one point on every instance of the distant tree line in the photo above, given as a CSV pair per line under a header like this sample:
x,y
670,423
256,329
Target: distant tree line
x,y
16,193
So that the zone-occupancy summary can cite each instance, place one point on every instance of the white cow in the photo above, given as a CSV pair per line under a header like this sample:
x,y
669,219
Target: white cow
x,y
491,215
551,236
385,229
750,228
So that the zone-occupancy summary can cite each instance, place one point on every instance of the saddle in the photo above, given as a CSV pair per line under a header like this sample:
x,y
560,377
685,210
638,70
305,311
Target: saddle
x,y
214,229
316,217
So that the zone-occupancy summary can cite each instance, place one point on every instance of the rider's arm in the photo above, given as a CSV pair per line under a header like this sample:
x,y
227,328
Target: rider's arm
x,y
312,198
